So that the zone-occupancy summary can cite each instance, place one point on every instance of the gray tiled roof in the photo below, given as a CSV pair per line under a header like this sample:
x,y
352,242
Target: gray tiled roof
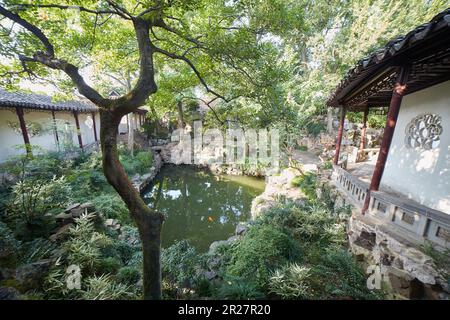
x,y
439,26
41,102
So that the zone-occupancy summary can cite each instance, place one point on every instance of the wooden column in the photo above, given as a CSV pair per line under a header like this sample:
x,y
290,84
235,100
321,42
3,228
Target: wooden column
x,y
77,123
95,127
23,128
55,129
339,136
362,145
391,121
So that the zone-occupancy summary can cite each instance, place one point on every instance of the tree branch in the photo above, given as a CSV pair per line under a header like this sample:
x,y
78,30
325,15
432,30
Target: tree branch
x,y
64,7
192,66
121,11
145,84
32,28
208,104
162,24
48,59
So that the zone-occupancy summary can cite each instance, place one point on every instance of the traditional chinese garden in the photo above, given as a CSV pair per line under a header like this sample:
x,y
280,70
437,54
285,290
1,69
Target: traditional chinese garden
x,y
94,205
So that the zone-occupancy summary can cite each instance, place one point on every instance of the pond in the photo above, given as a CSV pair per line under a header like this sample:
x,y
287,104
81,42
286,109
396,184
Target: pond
x,y
201,207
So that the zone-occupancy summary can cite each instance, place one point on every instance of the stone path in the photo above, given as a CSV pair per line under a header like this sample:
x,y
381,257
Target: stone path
x,y
307,159
279,186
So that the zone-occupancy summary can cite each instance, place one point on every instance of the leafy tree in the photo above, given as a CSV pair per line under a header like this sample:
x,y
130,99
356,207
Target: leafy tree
x,y
147,42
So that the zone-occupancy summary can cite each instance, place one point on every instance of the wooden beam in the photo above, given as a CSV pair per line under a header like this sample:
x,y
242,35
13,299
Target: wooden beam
x,y
77,123
339,136
362,145
95,127
391,120
23,128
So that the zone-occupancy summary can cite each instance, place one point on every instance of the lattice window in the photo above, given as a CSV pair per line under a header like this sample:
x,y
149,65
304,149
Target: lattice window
x,y
424,131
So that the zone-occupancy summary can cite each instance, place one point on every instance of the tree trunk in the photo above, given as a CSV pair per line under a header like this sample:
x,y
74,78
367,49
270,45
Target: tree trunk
x,y
180,115
148,221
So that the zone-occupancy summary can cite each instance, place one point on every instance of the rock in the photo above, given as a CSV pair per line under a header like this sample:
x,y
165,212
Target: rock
x,y
31,276
77,212
7,293
110,222
210,275
409,273
214,262
366,240
233,239
216,244
87,205
63,216
61,233
241,228
434,292
71,207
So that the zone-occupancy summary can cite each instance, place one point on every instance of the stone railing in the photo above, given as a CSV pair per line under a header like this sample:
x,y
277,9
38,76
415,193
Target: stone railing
x,y
351,185
421,222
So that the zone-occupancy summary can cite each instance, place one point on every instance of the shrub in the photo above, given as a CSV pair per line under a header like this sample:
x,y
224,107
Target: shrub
x,y
120,250
145,160
263,249
111,206
108,265
336,274
203,287
31,199
128,275
306,182
179,263
9,246
104,288
291,282
84,245
308,224
315,128
239,289
140,163
136,260
37,249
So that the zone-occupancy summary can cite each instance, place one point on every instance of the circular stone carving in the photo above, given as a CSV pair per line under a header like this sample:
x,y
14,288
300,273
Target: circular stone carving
x,y
424,131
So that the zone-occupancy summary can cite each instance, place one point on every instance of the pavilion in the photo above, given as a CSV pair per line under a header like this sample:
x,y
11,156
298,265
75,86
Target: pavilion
x,y
408,188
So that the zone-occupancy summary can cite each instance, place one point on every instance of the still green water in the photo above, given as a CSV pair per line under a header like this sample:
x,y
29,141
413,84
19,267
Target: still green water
x,y
201,207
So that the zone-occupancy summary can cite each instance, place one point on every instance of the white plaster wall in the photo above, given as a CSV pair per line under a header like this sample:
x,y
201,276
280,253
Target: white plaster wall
x,y
8,138
422,175
123,126
87,128
67,117
46,140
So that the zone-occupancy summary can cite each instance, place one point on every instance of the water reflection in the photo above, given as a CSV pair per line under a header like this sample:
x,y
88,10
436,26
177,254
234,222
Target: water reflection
x,y
201,207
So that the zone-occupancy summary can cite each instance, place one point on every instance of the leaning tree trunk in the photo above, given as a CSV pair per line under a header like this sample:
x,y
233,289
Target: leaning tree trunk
x,y
148,221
